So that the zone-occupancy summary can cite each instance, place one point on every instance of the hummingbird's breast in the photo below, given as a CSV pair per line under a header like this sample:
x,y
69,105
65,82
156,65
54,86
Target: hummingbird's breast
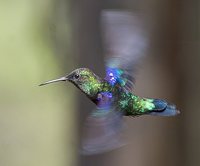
x,y
106,95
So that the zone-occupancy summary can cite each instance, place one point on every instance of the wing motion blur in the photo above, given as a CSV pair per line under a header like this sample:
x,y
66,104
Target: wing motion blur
x,y
125,43
102,132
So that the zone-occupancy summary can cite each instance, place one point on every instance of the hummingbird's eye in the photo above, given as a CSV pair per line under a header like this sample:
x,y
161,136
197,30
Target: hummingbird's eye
x,y
76,76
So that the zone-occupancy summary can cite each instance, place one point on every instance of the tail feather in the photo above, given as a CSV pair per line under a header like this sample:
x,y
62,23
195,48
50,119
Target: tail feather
x,y
162,108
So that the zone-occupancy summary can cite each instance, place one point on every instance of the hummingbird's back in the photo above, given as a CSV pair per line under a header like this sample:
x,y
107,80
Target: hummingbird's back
x,y
133,105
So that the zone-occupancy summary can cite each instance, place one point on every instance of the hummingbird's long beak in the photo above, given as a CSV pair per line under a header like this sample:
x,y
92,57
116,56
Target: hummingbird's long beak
x,y
56,80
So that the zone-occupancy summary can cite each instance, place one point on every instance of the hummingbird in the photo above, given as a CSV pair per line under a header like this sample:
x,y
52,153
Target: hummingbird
x,y
125,42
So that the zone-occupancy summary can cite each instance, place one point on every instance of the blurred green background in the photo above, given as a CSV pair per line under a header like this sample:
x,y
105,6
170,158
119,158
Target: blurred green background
x,y
36,124
42,40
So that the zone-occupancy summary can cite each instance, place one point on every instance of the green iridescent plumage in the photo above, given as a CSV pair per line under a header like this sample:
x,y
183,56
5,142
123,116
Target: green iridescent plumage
x,y
90,84
134,105
105,94
128,103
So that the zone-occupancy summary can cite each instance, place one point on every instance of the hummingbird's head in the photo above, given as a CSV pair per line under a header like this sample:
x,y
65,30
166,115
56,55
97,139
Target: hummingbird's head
x,y
84,79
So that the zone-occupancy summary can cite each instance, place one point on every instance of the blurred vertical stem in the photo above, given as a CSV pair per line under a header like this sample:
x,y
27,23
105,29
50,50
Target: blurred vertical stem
x,y
190,90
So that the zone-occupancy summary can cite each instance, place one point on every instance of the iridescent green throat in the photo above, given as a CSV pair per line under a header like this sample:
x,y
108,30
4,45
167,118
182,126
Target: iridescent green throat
x,y
91,84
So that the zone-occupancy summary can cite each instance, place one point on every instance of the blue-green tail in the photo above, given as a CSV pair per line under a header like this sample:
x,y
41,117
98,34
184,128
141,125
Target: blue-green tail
x,y
162,108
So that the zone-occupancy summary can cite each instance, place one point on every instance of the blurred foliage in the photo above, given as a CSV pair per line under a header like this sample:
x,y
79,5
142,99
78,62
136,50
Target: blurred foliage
x,y
36,123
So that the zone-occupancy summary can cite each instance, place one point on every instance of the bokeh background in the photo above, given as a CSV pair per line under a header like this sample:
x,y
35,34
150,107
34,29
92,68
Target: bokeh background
x,y
42,40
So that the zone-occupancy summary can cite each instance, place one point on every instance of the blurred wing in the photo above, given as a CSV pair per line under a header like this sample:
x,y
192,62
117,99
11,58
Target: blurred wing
x,y
102,132
125,42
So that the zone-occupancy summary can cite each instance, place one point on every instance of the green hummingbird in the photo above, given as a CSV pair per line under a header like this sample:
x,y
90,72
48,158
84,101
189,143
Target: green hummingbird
x,y
125,43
